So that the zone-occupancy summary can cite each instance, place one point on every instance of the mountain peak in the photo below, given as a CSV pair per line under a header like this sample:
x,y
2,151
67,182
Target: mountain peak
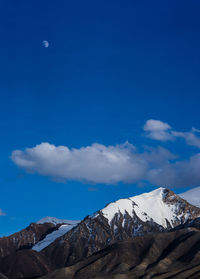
x,y
161,205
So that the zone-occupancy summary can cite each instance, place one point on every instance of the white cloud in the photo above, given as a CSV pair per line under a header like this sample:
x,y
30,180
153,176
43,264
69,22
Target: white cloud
x,y
94,164
158,130
109,164
179,173
98,163
2,213
161,131
191,138
156,125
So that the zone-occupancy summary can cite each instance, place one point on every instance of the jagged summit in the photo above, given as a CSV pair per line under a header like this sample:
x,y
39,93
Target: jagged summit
x,y
161,206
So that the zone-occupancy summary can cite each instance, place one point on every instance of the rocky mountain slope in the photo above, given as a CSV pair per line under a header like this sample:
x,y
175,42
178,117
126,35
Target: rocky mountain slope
x,y
159,256
18,248
65,226
25,238
33,234
145,215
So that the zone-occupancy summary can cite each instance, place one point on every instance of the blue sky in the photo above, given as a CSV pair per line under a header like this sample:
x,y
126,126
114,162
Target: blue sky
x,y
110,67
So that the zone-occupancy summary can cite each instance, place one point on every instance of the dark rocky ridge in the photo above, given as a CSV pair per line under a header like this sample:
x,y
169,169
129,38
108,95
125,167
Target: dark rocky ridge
x,y
25,239
90,236
17,259
159,256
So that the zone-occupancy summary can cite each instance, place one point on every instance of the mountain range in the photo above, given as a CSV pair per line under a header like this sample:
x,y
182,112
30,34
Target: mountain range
x,y
153,235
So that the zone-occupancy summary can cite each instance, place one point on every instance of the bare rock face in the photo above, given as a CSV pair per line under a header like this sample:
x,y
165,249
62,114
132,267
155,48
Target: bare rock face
x,y
159,256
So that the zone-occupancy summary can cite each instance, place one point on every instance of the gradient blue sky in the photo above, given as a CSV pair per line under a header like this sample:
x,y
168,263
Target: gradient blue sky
x,y
110,66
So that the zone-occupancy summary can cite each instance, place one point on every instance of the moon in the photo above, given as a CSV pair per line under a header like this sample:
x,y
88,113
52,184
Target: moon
x,y
45,44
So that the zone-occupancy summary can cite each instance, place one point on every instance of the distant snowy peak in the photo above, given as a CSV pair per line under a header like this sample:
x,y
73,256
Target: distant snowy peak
x,y
50,238
65,226
161,206
56,221
192,196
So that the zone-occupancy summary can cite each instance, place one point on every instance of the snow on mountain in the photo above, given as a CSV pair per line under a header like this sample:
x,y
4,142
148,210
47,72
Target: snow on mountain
x,y
149,206
192,196
155,211
56,221
63,229
149,213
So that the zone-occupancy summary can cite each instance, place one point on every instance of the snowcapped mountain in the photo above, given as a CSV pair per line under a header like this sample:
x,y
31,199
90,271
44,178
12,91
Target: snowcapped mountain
x,y
192,196
55,243
154,212
56,221
161,206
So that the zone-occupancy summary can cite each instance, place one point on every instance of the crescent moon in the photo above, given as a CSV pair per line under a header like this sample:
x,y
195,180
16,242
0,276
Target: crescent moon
x,y
45,44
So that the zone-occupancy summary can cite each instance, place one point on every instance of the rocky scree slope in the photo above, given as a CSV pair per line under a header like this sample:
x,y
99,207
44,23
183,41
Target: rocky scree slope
x,y
159,256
